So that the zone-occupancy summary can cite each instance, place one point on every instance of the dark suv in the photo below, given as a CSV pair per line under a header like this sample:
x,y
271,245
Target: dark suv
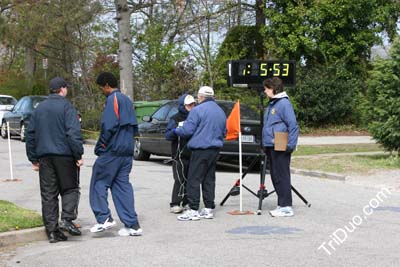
x,y
151,138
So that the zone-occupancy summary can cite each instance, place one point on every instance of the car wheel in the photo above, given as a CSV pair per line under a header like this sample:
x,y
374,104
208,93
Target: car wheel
x,y
138,153
4,130
22,132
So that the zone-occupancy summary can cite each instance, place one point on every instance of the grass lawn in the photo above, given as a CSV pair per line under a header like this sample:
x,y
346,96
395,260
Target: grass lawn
x,y
326,149
13,217
361,164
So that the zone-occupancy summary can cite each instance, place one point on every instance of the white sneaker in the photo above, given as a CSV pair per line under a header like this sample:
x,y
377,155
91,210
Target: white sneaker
x,y
282,212
176,209
275,210
102,227
130,231
189,215
206,213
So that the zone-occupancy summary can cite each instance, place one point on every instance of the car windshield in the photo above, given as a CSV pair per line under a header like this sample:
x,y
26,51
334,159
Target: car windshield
x,y
7,100
246,113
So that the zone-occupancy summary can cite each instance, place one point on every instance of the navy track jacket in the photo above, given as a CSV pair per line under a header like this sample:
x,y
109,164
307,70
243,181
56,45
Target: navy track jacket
x,y
118,126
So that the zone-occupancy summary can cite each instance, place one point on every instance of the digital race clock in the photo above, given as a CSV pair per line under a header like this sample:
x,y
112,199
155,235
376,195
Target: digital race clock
x,y
252,73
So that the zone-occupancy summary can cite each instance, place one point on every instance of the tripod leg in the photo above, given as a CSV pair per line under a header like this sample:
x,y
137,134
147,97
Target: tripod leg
x,y
251,166
229,193
262,192
301,197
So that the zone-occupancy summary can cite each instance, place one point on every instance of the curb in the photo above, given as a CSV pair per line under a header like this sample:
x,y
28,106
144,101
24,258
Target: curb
x,y
22,236
325,175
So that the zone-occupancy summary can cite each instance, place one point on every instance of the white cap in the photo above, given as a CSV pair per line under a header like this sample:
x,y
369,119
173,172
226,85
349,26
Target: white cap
x,y
206,91
189,100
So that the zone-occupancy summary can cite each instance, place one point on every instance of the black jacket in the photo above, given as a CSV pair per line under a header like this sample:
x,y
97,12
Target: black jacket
x,y
54,130
178,145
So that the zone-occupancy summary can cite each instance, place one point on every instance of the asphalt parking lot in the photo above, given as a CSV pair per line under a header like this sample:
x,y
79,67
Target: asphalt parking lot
x,y
347,224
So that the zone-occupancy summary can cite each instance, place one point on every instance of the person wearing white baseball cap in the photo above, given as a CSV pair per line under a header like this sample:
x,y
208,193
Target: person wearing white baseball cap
x,y
206,128
180,154
206,91
189,101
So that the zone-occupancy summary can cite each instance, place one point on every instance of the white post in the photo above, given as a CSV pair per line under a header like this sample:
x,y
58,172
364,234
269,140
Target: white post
x,y
9,151
240,162
240,168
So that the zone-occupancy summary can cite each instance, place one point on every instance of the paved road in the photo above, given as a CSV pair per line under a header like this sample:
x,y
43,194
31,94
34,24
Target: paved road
x,y
330,140
341,216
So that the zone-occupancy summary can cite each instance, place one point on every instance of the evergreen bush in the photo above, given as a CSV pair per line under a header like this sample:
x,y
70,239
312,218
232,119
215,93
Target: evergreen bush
x,y
384,96
325,95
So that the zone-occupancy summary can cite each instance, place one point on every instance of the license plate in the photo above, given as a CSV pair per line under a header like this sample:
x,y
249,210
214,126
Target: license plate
x,y
248,138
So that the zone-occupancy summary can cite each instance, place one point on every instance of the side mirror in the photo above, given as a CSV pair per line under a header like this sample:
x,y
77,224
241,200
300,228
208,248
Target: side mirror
x,y
146,118
9,108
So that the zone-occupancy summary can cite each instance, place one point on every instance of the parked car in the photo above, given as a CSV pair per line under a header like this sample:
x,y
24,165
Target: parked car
x,y
7,103
18,118
151,140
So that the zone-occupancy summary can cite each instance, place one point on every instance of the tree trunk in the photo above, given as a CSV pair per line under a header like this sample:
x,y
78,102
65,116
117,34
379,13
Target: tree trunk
x,y
239,13
125,47
3,52
260,22
29,65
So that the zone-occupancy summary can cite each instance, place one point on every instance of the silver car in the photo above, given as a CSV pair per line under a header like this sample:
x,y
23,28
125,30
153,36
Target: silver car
x,y
7,103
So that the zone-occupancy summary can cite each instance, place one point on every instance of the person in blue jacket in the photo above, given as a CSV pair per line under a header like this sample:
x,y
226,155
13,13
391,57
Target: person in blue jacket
x,y
279,117
113,165
206,128
180,154
54,145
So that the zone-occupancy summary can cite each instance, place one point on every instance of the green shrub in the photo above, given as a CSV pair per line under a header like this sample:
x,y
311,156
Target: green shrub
x,y
325,95
383,96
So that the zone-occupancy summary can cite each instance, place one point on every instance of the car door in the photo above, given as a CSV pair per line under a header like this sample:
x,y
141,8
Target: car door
x,y
152,132
15,115
165,145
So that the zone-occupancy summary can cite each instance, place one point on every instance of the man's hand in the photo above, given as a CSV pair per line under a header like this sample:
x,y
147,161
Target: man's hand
x,y
289,149
79,162
35,167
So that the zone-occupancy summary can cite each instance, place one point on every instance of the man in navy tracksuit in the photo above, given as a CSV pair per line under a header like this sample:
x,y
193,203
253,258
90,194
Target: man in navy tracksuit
x,y
206,127
111,170
279,117
54,145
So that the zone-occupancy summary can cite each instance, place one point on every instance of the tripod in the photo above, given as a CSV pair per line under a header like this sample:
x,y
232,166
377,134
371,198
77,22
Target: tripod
x,y
262,159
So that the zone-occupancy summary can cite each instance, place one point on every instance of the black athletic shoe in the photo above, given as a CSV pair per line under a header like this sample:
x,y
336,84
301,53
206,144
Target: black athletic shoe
x,y
70,227
56,236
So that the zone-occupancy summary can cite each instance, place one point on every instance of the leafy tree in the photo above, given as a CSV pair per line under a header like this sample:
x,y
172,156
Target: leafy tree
x,y
67,40
326,31
160,63
384,95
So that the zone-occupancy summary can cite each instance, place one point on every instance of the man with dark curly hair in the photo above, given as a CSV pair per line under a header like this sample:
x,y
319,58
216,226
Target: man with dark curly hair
x,y
111,170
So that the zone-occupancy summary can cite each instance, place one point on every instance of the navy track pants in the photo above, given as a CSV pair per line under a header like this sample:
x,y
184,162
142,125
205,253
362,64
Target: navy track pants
x,y
111,172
